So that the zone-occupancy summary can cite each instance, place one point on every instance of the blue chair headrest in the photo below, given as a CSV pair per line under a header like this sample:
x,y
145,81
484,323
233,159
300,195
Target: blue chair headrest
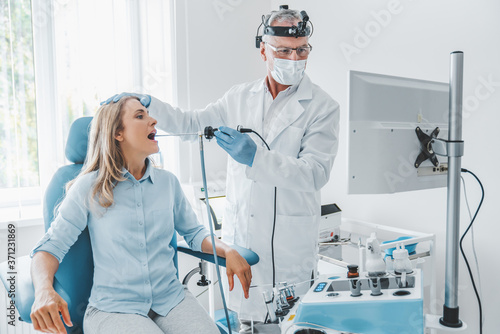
x,y
76,146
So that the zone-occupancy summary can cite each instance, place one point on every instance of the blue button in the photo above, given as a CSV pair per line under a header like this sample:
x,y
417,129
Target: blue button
x,y
320,287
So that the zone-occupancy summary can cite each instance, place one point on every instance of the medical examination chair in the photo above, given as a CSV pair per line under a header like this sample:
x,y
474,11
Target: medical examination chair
x,y
73,280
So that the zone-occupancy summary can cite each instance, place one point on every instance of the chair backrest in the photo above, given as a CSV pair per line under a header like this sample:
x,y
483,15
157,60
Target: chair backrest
x,y
76,271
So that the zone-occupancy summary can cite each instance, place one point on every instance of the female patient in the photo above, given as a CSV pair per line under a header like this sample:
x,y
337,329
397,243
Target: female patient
x,y
132,211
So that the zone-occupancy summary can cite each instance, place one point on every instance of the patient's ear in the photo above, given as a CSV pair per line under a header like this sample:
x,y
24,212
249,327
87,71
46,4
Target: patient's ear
x,y
119,136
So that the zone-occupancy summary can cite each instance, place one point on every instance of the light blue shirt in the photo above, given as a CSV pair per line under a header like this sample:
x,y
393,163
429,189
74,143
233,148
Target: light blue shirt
x,y
133,259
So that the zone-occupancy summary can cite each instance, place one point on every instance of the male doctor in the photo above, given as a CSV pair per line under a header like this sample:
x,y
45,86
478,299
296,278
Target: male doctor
x,y
299,122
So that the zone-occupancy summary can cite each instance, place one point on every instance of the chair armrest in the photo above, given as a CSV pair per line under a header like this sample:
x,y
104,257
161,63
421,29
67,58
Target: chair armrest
x,y
250,256
24,294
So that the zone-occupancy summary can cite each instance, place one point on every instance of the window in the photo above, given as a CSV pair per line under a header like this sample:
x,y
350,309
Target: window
x,y
79,53
19,177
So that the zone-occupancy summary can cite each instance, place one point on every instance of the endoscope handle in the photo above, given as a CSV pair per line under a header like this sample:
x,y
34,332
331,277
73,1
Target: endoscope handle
x,y
241,129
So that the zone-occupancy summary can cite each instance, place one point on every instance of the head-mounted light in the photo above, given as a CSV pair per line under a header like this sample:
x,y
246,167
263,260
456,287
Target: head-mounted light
x,y
300,30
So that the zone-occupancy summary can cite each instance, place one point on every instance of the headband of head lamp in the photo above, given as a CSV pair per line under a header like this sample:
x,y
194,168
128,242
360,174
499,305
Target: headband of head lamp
x,y
300,30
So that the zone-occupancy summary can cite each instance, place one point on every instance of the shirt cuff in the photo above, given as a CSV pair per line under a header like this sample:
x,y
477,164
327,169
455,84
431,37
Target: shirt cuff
x,y
46,246
198,240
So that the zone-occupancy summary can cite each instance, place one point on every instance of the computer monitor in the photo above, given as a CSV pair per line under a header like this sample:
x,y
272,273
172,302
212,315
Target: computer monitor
x,y
384,112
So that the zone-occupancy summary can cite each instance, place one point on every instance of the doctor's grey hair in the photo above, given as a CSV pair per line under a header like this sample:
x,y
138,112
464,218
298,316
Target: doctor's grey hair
x,y
276,18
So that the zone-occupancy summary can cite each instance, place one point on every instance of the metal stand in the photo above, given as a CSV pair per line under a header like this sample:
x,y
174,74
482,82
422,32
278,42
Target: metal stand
x,y
454,152
453,148
210,223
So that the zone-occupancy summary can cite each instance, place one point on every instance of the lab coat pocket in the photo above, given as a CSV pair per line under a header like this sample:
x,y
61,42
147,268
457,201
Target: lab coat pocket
x,y
290,141
295,244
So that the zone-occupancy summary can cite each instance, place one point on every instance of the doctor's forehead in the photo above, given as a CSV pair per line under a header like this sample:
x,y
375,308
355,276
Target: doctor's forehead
x,y
291,42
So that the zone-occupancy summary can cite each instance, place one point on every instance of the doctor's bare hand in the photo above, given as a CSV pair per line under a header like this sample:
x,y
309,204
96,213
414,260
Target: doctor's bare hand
x,y
236,264
45,312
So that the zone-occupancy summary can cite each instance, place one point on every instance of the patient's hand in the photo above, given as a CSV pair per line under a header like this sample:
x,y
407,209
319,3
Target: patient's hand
x,y
236,264
45,312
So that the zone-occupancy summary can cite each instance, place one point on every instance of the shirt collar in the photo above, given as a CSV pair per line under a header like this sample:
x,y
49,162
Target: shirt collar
x,y
289,91
150,173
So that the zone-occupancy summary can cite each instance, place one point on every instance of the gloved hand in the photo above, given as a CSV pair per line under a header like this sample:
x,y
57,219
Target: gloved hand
x,y
143,98
239,145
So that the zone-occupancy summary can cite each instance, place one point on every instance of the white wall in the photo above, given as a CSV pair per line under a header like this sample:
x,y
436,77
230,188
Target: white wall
x,y
415,41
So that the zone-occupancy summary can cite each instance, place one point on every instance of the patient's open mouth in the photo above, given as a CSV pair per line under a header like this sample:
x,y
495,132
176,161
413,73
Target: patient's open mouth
x,y
151,136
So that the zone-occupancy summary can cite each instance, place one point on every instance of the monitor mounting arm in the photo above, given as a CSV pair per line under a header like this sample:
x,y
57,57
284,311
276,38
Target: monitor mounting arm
x,y
430,146
426,151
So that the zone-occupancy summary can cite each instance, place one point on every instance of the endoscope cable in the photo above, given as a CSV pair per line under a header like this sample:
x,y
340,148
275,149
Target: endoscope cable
x,y
463,253
473,239
246,130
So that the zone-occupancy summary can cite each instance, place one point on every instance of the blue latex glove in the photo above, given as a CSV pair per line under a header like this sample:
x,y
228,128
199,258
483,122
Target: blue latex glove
x,y
239,145
143,98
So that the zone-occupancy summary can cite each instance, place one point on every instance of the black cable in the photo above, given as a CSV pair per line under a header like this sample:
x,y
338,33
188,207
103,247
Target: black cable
x,y
272,238
274,218
261,139
463,253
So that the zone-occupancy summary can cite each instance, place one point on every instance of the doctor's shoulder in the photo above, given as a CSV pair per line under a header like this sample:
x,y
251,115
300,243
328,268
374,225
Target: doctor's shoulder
x,y
242,89
324,100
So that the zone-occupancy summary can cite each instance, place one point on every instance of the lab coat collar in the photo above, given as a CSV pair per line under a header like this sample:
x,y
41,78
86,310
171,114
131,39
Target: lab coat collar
x,y
292,110
305,85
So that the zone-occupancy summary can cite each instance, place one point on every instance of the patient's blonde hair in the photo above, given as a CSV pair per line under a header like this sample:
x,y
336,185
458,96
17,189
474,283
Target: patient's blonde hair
x,y
104,154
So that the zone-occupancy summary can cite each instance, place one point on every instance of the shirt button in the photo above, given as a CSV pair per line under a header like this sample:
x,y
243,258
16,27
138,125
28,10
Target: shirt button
x,y
146,282
148,301
251,215
144,264
140,222
137,184
141,245
138,204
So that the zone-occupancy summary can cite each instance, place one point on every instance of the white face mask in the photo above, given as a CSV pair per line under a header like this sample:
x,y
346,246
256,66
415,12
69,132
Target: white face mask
x,y
288,72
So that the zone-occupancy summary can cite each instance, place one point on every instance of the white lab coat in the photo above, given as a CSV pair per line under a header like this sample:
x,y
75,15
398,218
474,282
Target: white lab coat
x,y
303,142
